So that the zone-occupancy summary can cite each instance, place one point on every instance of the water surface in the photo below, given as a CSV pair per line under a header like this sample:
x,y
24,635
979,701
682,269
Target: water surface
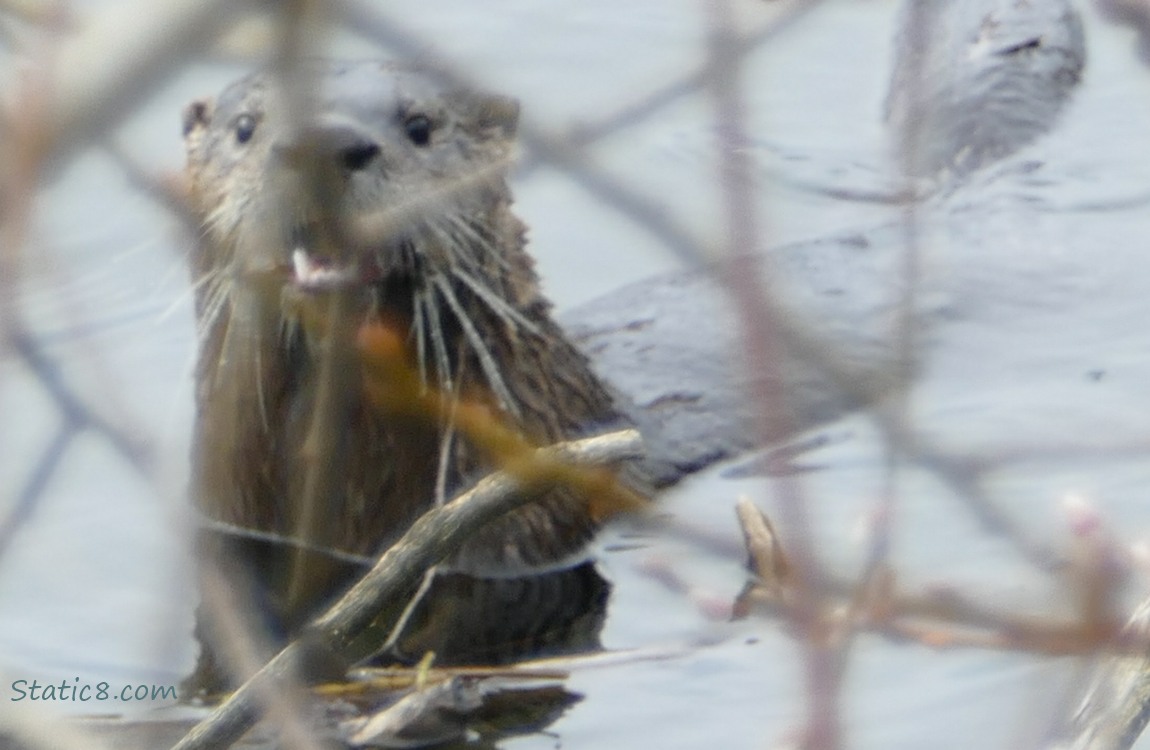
x,y
1033,284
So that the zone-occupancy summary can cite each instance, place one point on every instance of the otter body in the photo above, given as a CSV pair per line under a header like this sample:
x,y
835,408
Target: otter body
x,y
381,200
976,81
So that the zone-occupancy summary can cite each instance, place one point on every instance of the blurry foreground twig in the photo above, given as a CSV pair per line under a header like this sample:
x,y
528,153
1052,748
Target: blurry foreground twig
x,y
1116,706
937,618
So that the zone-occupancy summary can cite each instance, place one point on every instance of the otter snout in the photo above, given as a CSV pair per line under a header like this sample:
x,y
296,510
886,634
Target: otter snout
x,y
329,145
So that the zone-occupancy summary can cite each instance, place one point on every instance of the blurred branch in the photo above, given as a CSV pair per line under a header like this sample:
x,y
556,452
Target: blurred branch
x,y
431,538
44,12
567,155
939,617
168,191
34,487
747,277
98,76
76,413
246,648
76,416
739,47
1115,706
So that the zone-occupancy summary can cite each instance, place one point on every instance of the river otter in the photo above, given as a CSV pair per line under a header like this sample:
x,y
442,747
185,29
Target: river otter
x,y
387,206
974,82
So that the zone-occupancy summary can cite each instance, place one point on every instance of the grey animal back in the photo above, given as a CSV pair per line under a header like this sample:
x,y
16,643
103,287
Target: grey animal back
x,y
975,80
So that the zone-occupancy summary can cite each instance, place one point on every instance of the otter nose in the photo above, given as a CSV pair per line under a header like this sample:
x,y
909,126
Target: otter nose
x,y
356,155
340,145
347,146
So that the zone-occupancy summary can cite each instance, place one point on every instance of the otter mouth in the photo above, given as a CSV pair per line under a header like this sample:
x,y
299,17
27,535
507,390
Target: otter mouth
x,y
312,272
320,275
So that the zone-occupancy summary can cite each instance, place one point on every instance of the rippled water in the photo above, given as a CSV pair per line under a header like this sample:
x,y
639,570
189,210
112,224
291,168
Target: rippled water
x,y
1033,286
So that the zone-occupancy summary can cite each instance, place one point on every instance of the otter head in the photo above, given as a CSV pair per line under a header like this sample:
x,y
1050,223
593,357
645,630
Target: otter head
x,y
376,182
377,169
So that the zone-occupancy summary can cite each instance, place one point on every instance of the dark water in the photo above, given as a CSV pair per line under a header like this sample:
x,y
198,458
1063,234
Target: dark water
x,y
1033,284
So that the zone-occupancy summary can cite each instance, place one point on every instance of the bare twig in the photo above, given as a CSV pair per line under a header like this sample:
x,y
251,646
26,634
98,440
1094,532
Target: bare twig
x,y
740,46
100,74
77,413
245,648
41,474
801,341
168,191
938,617
79,94
741,276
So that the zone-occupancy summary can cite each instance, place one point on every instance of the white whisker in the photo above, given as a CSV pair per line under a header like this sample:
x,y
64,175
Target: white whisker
x,y
445,453
497,304
486,360
443,363
419,331
216,297
473,237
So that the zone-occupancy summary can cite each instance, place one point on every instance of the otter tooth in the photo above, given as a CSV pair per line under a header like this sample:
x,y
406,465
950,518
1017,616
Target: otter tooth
x,y
312,275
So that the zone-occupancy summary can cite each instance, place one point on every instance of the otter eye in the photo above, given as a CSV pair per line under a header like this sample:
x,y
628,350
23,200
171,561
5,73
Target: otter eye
x,y
245,127
418,129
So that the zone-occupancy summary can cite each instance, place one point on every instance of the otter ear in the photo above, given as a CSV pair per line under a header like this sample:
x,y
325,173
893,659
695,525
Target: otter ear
x,y
494,114
197,115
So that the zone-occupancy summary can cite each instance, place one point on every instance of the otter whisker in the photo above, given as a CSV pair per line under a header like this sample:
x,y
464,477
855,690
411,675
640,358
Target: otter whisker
x,y
479,238
439,344
261,391
206,291
236,348
215,297
205,279
222,220
455,253
479,346
446,439
419,331
466,252
290,328
181,298
435,236
497,304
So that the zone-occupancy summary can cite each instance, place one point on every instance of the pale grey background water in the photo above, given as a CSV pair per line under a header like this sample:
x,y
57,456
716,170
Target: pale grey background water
x,y
1035,294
